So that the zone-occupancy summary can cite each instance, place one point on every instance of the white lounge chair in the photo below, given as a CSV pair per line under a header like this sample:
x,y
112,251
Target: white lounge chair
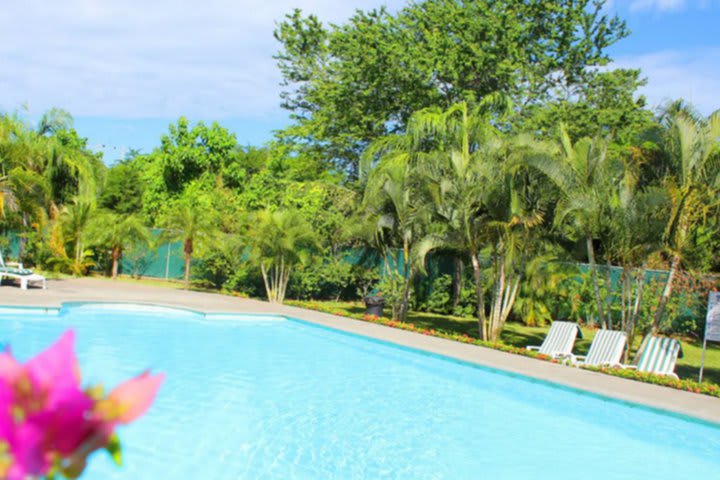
x,y
559,340
16,271
658,355
606,350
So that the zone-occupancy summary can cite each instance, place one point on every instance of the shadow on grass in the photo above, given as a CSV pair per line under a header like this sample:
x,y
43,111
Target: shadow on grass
x,y
710,374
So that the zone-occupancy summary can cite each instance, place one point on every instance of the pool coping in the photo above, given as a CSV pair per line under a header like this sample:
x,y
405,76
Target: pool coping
x,y
655,397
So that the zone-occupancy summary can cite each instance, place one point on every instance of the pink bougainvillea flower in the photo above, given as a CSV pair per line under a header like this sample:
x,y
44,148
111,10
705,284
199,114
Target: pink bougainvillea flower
x,y
130,400
28,457
56,368
10,369
46,418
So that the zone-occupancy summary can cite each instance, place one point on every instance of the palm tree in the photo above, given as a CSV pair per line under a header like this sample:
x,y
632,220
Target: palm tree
x,y
118,232
193,226
395,203
512,213
44,166
691,144
456,174
478,198
75,219
279,241
584,176
634,234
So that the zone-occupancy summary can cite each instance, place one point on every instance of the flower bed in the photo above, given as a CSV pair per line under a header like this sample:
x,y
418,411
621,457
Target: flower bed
x,y
665,381
687,385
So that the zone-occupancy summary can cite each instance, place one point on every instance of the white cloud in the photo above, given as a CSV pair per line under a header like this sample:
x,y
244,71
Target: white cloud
x,y
661,5
213,58
157,58
693,75
664,5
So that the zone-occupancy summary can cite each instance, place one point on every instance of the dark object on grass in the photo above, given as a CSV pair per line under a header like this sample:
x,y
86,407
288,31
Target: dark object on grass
x,y
374,305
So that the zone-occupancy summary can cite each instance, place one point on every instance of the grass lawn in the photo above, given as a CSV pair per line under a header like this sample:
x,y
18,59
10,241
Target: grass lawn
x,y
519,335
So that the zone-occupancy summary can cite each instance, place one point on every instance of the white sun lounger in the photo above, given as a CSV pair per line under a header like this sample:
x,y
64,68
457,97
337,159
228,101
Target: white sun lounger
x,y
658,355
16,271
606,350
559,340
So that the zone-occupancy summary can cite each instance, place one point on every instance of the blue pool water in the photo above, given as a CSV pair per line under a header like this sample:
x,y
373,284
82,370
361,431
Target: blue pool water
x,y
272,398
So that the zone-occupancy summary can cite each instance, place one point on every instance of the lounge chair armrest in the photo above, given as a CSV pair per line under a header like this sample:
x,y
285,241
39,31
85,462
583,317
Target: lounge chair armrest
x,y
629,367
17,265
534,349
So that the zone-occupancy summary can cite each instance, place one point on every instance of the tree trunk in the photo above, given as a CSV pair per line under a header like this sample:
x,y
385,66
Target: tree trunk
x,y
404,305
593,276
188,249
498,293
408,276
23,240
667,291
608,295
457,282
187,271
268,289
116,256
480,297
78,250
640,287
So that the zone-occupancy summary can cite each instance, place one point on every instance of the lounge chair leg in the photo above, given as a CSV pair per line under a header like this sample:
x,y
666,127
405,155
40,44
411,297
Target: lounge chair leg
x,y
23,284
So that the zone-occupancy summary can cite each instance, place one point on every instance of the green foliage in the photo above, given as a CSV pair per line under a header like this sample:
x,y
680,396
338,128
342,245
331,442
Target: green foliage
x,y
123,190
196,227
391,288
685,310
349,84
279,242
440,298
605,106
483,130
118,232
325,278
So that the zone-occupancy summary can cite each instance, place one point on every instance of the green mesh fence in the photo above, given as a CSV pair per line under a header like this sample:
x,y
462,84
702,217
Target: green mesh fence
x,y
165,261
10,245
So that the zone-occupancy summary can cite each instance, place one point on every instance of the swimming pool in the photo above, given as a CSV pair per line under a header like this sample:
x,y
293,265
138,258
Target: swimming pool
x,y
259,397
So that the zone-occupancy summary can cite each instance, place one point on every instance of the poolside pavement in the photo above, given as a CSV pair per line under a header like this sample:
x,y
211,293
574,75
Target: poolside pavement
x,y
104,290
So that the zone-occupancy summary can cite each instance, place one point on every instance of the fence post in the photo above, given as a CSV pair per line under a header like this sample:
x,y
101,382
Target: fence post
x,y
167,263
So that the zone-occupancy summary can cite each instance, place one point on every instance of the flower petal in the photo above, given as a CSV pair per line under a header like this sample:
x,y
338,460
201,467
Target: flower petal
x,y
57,366
10,369
134,397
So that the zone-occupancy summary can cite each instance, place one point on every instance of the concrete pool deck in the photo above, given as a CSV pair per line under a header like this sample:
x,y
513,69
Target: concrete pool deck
x,y
102,290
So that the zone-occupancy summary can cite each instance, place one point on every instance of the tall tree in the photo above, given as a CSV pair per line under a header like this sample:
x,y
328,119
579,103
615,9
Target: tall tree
x,y
76,220
634,234
193,226
349,84
396,203
118,232
584,176
691,144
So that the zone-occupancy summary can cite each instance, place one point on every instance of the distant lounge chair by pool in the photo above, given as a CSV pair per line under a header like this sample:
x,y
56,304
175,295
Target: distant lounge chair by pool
x,y
606,349
559,340
17,271
658,355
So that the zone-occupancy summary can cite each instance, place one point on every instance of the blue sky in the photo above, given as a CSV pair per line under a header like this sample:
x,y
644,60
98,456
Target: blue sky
x,y
126,69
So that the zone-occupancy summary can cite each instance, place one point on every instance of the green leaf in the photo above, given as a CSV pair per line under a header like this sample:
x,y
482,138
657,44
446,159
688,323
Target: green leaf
x,y
115,449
